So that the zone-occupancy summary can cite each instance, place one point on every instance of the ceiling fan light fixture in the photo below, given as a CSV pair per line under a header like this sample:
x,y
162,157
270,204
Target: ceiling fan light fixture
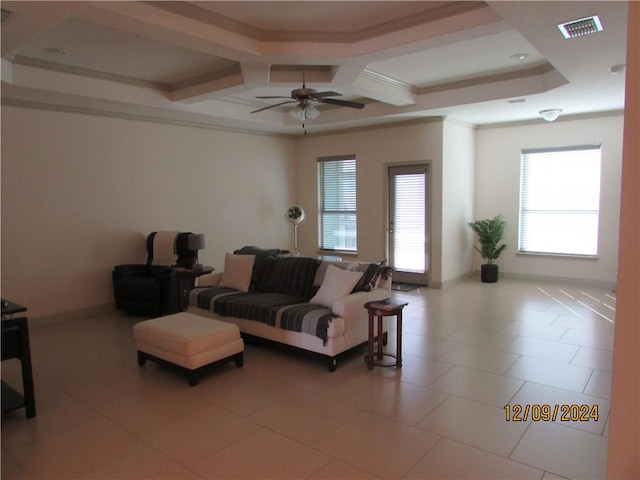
x,y
311,112
304,112
297,112
550,114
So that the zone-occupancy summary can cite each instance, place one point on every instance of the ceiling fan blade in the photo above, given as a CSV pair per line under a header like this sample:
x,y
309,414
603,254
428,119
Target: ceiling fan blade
x,y
342,103
271,96
273,106
325,94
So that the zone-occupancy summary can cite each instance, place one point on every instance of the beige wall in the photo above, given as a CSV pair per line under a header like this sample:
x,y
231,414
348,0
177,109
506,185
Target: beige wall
x,y
457,200
375,150
498,190
80,193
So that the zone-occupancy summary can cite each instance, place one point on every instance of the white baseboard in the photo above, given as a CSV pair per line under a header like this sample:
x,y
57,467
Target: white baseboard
x,y
79,314
528,277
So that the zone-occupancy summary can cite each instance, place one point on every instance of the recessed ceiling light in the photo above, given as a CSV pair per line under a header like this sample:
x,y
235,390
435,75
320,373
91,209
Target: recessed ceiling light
x,y
520,56
55,51
583,26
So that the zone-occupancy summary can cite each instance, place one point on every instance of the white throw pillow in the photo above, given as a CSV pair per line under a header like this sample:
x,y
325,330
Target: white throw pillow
x,y
337,283
237,271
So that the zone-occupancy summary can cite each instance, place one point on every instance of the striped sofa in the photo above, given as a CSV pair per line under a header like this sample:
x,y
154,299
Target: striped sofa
x,y
305,303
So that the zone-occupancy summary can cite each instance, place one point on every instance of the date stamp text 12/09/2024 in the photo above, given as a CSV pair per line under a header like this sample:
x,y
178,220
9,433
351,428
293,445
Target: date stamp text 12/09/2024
x,y
551,413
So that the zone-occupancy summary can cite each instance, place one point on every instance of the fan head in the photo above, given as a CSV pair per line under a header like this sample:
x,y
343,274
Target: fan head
x,y
305,93
295,215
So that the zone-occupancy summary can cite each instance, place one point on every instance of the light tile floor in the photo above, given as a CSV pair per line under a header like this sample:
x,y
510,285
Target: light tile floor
x,y
469,350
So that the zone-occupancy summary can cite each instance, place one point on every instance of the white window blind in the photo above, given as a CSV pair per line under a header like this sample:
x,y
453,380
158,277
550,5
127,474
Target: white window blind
x,y
337,203
408,223
560,200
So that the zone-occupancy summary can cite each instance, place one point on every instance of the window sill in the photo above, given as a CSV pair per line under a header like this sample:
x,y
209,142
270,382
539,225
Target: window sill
x,y
337,252
558,255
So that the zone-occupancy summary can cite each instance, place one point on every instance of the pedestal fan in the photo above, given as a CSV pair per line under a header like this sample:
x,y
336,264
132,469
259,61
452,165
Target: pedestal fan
x,y
295,216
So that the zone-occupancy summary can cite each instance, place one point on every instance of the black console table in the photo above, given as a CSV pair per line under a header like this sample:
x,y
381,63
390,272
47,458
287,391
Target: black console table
x,y
186,280
15,344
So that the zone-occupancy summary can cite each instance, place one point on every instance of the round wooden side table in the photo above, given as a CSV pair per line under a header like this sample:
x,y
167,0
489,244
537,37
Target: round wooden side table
x,y
381,309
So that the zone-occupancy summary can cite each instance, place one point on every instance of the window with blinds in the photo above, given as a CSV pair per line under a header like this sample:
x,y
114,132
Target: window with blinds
x,y
337,203
560,201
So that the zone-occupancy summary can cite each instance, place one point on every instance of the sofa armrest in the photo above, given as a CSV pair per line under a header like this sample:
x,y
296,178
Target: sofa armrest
x,y
351,309
352,306
209,279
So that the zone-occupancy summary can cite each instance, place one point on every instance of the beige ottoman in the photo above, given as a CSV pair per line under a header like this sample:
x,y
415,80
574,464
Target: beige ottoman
x,y
189,342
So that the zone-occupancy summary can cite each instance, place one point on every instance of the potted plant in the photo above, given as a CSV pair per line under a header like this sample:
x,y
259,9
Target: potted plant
x,y
489,232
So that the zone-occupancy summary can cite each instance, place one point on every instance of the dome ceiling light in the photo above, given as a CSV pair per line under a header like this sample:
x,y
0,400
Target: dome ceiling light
x,y
550,114
617,69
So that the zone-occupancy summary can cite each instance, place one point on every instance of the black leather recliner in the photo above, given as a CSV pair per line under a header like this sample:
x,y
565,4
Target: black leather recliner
x,y
152,290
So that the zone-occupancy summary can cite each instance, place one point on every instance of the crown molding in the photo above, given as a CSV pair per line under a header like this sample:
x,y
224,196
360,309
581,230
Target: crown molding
x,y
561,119
39,105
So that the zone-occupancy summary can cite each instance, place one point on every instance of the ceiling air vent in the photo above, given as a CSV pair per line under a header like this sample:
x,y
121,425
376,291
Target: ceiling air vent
x,y
578,28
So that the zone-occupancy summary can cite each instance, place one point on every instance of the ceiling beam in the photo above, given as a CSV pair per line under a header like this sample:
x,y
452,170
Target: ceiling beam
x,y
384,89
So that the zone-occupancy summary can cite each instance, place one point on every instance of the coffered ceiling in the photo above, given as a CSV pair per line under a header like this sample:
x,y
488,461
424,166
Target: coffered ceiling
x,y
204,63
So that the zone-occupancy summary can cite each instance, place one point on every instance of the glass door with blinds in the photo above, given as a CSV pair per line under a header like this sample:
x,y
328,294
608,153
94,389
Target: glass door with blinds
x,y
408,234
